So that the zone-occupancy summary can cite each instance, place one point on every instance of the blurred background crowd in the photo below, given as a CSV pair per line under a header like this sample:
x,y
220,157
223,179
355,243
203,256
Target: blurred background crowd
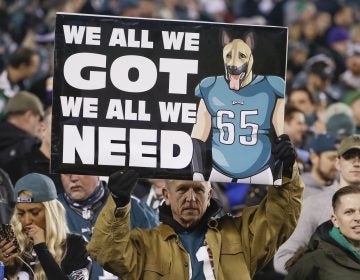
x,y
322,79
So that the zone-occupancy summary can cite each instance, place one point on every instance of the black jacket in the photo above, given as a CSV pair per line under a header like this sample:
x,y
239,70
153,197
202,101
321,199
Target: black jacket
x,y
76,263
34,161
15,142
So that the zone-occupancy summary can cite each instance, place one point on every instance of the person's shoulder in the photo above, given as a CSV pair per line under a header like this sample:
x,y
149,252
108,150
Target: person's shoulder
x,y
143,215
274,79
61,198
322,198
208,82
74,239
136,202
307,175
8,129
307,263
316,208
227,220
276,82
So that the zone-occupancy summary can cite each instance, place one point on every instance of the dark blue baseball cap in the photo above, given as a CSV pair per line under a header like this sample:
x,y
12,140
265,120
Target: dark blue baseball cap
x,y
41,187
324,142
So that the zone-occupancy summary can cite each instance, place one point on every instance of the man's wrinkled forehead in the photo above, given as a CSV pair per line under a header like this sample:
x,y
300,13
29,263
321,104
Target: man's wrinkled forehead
x,y
189,183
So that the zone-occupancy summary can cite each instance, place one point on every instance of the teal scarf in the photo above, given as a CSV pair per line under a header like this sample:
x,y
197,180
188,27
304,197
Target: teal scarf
x,y
336,234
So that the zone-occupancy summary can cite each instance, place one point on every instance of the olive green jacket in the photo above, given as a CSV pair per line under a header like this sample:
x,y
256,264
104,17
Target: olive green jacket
x,y
240,246
325,259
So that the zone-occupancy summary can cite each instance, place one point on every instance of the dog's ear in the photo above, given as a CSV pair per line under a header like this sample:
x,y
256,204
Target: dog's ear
x,y
250,40
225,37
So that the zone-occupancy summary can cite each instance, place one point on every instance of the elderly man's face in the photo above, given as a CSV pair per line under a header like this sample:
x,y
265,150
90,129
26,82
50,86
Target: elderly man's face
x,y
347,217
188,200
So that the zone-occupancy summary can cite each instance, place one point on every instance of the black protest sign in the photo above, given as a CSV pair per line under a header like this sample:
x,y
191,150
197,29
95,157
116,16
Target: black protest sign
x,y
171,99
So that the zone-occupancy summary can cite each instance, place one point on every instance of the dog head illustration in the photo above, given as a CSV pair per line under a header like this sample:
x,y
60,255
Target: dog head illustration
x,y
238,60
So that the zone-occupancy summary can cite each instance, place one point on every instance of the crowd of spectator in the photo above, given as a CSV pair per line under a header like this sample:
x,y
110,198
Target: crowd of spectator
x,y
322,96
323,46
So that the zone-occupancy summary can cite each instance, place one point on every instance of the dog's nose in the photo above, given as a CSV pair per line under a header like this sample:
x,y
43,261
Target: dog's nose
x,y
233,70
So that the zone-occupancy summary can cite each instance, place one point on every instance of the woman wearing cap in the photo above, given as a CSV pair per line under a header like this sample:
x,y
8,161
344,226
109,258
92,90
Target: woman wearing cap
x,y
47,250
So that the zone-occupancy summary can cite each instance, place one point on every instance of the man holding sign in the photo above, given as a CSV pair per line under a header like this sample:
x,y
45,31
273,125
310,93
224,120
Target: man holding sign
x,y
191,243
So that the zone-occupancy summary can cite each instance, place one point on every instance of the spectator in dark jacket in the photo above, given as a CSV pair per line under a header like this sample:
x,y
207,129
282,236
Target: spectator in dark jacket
x,y
6,197
334,249
20,132
38,159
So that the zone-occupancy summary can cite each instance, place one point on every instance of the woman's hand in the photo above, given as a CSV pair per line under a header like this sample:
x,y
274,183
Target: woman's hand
x,y
36,233
7,250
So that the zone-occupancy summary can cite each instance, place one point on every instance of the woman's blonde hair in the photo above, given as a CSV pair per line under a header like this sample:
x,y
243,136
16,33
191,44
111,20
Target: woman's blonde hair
x,y
55,236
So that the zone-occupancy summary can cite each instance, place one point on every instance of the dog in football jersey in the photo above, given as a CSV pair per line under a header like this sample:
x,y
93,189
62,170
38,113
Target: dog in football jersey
x,y
242,110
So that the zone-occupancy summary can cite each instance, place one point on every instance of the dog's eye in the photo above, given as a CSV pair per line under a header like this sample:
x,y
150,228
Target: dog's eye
x,y
228,55
241,55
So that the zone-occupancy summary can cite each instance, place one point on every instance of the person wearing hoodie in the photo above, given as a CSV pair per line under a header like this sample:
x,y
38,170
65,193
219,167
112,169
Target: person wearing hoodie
x,y
334,248
192,242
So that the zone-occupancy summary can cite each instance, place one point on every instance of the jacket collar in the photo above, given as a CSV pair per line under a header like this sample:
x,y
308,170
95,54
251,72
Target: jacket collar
x,y
166,231
322,240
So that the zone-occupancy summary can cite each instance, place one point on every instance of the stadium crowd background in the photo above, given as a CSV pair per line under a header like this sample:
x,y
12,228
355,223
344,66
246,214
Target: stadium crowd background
x,y
323,54
323,67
